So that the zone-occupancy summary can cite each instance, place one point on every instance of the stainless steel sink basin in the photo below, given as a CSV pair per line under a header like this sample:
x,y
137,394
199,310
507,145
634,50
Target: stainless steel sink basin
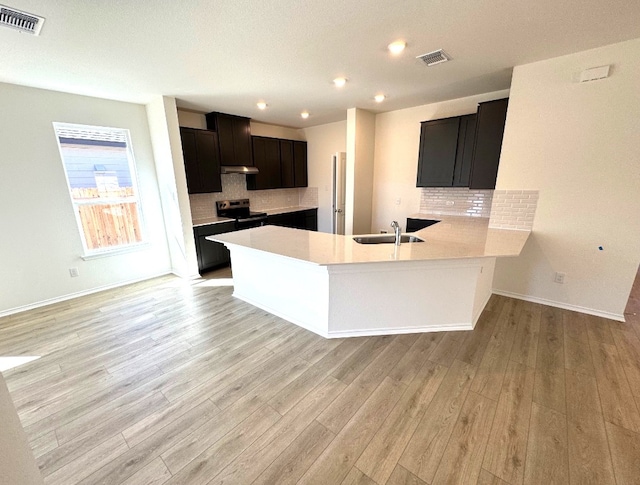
x,y
386,239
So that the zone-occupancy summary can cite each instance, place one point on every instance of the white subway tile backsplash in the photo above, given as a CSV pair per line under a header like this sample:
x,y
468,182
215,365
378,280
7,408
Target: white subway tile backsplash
x,y
234,187
466,202
513,209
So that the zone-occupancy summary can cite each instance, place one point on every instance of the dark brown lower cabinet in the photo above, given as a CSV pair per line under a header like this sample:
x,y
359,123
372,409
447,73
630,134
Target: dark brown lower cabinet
x,y
311,219
304,219
414,225
211,254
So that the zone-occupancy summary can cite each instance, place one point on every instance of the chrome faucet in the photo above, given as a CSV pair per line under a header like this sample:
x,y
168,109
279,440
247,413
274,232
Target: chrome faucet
x,y
396,228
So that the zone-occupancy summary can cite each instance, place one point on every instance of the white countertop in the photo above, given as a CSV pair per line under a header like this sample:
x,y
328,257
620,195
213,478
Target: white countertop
x,y
455,237
205,221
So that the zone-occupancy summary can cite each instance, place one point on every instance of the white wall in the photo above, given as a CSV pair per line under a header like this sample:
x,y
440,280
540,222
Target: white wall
x,y
397,140
323,141
172,181
191,119
40,239
276,131
361,132
579,145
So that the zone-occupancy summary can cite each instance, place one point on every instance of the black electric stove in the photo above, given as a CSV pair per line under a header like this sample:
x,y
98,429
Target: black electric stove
x,y
240,211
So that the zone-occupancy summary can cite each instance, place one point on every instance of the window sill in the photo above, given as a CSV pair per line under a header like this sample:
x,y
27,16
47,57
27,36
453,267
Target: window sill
x,y
116,252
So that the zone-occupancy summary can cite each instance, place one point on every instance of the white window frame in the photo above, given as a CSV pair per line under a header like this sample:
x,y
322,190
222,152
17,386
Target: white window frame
x,y
89,253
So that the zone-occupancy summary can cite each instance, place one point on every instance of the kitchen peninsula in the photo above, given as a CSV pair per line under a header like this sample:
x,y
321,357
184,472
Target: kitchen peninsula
x,y
336,287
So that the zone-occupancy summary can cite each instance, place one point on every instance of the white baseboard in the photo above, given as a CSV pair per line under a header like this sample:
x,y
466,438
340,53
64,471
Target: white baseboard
x,y
565,306
399,330
71,296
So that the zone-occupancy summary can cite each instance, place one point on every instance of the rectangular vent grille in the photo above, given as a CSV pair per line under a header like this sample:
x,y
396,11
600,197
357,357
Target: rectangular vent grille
x,y
433,58
22,21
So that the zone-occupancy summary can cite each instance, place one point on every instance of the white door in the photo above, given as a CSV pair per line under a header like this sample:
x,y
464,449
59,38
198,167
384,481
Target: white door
x,y
339,191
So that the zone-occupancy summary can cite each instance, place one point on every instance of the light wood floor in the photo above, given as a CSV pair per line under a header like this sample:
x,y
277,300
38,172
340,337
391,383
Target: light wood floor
x,y
163,382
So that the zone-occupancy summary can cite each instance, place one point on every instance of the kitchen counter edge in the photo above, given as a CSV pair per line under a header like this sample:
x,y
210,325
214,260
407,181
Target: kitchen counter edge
x,y
205,221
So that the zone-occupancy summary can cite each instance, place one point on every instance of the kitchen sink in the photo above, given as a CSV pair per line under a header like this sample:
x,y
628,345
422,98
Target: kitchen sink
x,y
386,239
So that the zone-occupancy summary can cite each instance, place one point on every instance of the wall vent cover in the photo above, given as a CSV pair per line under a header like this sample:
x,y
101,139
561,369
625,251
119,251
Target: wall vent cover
x,y
435,57
22,21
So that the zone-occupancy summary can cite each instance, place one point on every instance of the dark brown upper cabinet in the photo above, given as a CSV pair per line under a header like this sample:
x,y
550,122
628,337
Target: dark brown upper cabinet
x,y
266,158
488,144
234,135
300,163
287,168
201,160
281,164
464,153
446,148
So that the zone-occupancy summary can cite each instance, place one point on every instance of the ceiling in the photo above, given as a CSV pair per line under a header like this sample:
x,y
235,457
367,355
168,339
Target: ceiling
x,y
226,55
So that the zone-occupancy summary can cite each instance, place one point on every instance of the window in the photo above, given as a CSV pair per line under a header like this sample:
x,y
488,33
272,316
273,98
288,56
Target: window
x,y
99,166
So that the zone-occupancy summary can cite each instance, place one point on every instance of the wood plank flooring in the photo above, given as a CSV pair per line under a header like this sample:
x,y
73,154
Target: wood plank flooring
x,y
167,382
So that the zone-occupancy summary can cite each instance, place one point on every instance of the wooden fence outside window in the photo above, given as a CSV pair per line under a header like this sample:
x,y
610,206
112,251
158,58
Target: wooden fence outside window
x,y
111,223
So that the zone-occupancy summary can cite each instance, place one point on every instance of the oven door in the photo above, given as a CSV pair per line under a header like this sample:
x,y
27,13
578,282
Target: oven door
x,y
250,222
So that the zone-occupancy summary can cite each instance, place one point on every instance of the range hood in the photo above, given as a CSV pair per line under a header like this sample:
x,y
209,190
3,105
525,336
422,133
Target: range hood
x,y
238,169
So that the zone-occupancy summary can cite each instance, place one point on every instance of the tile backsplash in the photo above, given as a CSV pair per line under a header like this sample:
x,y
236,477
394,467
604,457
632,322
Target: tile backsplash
x,y
456,201
308,196
506,209
234,187
513,209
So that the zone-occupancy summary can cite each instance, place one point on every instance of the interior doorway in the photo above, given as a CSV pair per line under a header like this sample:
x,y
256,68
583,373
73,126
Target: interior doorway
x,y
339,191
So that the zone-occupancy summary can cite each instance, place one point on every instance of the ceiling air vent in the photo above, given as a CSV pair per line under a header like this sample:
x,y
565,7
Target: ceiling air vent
x,y
433,58
22,21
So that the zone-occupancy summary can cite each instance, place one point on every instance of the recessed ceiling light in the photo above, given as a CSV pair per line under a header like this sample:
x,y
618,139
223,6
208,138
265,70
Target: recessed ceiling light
x,y
340,81
304,114
397,47
261,105
379,98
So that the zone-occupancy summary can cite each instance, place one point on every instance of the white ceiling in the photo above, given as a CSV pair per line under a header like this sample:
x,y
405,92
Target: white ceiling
x,y
225,55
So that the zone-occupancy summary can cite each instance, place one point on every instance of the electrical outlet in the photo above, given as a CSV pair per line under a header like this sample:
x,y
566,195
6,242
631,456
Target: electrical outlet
x,y
559,278
398,201
74,272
